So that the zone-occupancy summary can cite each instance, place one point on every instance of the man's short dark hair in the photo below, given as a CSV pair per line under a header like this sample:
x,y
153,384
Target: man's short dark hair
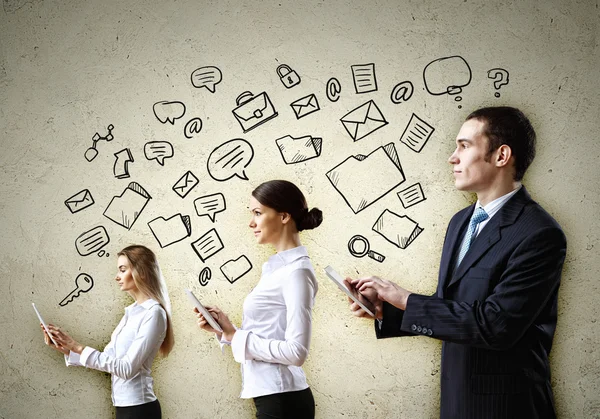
x,y
506,125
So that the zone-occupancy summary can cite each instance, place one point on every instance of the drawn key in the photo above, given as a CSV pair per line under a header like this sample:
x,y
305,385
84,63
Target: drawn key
x,y
83,283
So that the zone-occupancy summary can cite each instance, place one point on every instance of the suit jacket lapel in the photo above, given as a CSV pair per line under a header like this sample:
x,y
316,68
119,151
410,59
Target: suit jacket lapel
x,y
491,233
446,264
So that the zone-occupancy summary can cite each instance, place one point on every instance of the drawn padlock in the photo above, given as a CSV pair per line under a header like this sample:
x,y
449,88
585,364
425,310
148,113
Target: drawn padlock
x,y
288,77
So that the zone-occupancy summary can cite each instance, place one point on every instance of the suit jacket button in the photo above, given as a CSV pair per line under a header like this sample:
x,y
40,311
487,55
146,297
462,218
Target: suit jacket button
x,y
430,332
424,330
419,329
413,327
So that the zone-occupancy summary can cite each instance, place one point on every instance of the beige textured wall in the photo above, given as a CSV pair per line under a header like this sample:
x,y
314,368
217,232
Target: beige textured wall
x,y
70,68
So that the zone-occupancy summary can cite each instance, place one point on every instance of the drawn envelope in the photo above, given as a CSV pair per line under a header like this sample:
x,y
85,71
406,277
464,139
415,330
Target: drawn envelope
x,y
296,150
362,180
185,184
124,209
81,200
399,230
235,269
305,106
364,120
171,230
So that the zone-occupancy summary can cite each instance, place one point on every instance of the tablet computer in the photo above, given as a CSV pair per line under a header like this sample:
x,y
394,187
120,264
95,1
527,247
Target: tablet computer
x,y
209,318
44,324
353,294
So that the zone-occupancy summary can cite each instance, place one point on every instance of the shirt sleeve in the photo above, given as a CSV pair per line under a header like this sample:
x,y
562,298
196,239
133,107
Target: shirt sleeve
x,y
150,334
73,359
299,295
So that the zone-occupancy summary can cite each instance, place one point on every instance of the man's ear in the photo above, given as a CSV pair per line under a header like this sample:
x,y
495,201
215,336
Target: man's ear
x,y
503,156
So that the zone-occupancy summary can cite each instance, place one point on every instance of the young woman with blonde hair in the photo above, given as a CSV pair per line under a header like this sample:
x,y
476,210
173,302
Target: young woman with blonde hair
x,y
144,330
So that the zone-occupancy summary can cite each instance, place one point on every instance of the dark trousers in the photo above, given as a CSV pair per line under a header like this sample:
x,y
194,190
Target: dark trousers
x,y
142,411
290,405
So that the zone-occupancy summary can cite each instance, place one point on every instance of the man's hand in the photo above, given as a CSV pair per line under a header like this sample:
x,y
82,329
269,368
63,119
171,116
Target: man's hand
x,y
369,298
384,289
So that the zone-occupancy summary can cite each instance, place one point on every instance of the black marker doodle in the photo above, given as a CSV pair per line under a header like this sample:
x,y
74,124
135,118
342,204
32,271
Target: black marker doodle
x,y
166,111
210,205
333,89
80,201
158,150
411,195
363,248
171,230
92,152
185,184
83,283
125,209
364,120
208,245
253,111
204,276
402,92
447,75
362,180
235,269
305,106
193,126
364,78
416,133
207,77
399,230
296,150
288,77
92,241
500,77
230,159
121,166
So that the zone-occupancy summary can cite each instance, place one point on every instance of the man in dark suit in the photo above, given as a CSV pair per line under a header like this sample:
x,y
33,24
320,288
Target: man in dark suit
x,y
495,307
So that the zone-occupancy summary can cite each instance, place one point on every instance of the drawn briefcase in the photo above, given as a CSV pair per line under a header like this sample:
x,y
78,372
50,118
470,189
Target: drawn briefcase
x,y
253,111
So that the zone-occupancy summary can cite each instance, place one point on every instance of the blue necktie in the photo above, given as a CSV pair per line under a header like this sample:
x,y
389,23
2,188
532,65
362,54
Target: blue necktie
x,y
478,216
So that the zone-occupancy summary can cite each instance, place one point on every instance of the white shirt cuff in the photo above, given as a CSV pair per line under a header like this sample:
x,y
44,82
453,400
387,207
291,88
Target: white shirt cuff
x,y
72,359
85,354
238,345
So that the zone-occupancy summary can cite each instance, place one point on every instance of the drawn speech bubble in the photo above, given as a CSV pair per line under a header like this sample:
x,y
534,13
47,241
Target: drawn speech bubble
x,y
447,75
210,205
166,111
230,159
207,77
158,150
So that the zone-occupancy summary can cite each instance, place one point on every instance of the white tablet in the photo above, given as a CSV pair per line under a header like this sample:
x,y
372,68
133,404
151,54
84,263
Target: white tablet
x,y
44,324
354,295
209,318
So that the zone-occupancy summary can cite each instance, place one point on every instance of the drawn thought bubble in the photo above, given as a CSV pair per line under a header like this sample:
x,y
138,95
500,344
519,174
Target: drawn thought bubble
x,y
158,150
210,205
230,159
207,77
447,75
168,111
91,241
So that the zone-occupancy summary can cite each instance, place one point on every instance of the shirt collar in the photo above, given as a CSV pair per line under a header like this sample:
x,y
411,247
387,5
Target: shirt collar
x,y
493,207
146,304
285,258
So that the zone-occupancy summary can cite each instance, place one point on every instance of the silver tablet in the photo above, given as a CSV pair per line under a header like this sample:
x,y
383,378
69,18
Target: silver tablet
x,y
209,318
353,294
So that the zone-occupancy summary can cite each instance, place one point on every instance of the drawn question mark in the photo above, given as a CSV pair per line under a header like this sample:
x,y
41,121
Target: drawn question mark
x,y
500,77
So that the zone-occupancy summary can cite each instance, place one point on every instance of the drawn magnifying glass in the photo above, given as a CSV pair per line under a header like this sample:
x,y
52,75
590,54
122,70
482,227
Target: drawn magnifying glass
x,y
359,246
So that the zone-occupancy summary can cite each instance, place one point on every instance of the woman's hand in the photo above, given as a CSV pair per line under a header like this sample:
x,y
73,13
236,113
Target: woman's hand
x,y
221,318
64,340
51,344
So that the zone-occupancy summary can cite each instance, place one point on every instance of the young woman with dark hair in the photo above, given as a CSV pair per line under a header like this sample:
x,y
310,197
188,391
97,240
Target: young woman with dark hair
x,y
274,339
144,330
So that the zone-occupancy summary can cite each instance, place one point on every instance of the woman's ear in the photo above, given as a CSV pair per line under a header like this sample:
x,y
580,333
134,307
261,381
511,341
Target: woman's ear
x,y
285,217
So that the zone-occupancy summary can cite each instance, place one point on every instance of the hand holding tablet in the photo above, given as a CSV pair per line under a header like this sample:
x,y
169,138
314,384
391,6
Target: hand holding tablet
x,y
209,318
44,324
353,294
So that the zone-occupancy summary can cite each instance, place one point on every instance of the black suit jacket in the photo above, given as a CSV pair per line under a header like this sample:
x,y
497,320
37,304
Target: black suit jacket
x,y
496,314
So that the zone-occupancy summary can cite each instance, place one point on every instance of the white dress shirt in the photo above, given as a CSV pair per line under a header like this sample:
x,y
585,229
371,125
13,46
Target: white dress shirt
x,y
129,355
274,339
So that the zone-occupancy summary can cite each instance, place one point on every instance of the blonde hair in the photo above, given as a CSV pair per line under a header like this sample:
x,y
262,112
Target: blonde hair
x,y
148,278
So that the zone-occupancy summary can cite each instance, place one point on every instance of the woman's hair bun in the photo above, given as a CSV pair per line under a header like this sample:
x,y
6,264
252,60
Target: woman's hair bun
x,y
310,219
